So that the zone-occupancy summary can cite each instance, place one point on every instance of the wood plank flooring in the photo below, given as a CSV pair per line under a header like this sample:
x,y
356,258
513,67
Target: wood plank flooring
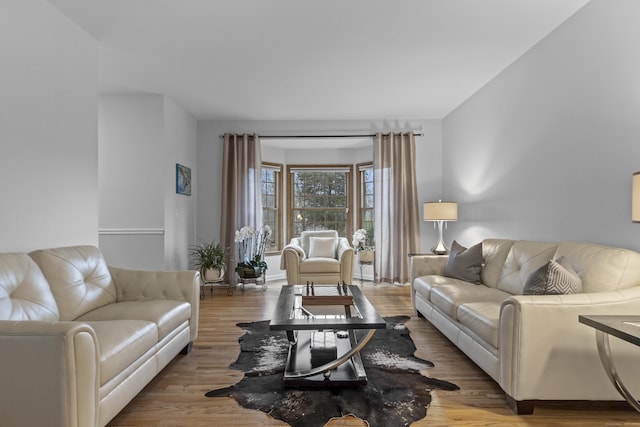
x,y
176,396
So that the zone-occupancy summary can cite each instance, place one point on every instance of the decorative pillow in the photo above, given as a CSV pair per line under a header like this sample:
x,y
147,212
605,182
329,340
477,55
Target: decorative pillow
x,y
322,247
465,264
554,278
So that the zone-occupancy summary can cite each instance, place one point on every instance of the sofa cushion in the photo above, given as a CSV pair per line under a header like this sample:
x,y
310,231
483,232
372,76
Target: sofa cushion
x,y
322,247
121,343
553,278
482,318
465,263
320,265
166,314
24,292
79,279
448,298
524,258
423,285
494,252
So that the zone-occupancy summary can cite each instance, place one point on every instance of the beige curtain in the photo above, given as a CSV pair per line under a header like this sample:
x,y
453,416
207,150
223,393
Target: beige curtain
x,y
396,226
241,202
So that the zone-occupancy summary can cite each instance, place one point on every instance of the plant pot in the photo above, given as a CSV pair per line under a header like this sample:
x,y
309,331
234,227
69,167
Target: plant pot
x,y
249,272
213,275
365,256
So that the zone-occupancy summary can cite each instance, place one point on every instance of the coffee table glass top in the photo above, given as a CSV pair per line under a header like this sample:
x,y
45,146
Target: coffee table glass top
x,y
291,314
625,327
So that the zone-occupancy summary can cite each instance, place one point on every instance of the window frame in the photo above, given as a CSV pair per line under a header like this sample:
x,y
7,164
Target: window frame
x,y
318,168
360,192
277,237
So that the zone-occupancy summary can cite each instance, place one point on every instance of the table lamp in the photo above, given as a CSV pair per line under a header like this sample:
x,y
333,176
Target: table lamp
x,y
440,212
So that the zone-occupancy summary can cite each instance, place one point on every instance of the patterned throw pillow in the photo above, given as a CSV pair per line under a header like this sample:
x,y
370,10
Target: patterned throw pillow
x,y
465,264
554,278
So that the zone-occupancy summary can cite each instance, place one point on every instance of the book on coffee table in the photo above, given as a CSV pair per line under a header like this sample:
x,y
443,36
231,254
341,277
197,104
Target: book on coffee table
x,y
325,294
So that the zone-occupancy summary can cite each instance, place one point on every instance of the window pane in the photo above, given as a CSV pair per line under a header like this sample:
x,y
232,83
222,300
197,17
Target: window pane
x,y
366,202
270,176
320,199
368,188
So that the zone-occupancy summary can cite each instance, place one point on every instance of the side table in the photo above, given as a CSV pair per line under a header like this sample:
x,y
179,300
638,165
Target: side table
x,y
259,281
367,259
211,284
626,328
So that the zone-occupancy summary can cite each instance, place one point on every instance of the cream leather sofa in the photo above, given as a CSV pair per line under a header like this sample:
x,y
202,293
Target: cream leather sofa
x,y
533,345
79,339
299,260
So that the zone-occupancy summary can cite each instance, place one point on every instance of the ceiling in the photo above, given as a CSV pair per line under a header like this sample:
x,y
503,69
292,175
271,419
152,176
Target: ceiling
x,y
312,59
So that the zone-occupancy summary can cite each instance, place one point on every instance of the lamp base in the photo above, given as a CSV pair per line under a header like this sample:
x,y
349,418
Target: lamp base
x,y
440,248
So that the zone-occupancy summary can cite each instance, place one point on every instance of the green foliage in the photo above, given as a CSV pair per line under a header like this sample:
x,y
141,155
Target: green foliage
x,y
209,255
320,201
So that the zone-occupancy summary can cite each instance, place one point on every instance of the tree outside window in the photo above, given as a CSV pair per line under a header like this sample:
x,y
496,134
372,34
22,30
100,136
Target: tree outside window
x,y
319,199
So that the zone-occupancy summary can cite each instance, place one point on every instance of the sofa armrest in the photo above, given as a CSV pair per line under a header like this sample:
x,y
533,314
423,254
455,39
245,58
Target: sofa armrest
x,y
139,285
545,351
50,374
345,255
427,265
295,255
343,248
292,254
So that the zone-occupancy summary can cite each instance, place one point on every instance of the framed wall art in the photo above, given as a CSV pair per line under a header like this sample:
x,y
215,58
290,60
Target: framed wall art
x,y
183,179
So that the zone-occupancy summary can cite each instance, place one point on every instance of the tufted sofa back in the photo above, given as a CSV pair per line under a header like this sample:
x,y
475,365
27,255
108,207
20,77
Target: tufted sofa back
x,y
494,252
524,258
509,263
602,268
79,279
24,292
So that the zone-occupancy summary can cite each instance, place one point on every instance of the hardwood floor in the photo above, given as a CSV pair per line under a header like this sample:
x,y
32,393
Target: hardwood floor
x,y
176,396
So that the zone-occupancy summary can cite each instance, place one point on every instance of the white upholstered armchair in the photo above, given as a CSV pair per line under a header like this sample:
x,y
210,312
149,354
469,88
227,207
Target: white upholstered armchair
x,y
319,257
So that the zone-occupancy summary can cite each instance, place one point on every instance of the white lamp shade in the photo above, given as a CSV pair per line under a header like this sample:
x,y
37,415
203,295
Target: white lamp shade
x,y
635,198
440,211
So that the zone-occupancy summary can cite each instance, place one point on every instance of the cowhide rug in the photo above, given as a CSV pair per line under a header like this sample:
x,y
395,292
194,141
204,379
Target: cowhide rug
x,y
396,393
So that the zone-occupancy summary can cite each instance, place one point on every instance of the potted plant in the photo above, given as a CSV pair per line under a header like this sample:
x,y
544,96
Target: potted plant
x,y
365,253
251,245
210,259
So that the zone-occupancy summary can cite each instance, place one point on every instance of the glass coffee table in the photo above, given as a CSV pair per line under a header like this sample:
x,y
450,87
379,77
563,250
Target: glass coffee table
x,y
626,328
321,323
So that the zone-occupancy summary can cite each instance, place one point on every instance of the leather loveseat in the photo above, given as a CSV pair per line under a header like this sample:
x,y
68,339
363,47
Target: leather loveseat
x,y
79,339
533,345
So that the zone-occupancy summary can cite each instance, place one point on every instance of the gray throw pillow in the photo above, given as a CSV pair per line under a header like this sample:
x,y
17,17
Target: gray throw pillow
x,y
465,264
554,278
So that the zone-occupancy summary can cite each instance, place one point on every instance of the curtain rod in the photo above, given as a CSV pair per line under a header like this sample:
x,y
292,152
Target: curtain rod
x,y
322,136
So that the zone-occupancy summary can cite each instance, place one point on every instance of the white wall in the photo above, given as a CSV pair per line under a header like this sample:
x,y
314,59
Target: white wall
x,y
132,180
48,129
143,222
428,151
180,210
546,150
